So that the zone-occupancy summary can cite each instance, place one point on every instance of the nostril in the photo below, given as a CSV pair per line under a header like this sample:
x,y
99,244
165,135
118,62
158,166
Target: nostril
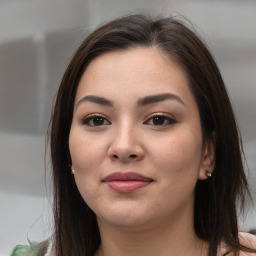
x,y
115,156
133,156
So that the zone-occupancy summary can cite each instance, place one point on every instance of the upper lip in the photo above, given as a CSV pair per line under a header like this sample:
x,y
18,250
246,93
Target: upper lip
x,y
126,176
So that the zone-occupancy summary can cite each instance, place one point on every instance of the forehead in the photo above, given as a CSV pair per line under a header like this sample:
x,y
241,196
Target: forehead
x,y
135,72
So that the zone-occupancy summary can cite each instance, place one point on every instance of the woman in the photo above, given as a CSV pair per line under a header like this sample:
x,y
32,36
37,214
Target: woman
x,y
145,150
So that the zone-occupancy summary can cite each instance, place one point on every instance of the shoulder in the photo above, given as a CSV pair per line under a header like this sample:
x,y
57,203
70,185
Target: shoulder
x,y
248,240
33,249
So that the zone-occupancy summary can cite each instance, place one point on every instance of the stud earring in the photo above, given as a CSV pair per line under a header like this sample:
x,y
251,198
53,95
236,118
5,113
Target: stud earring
x,y
208,174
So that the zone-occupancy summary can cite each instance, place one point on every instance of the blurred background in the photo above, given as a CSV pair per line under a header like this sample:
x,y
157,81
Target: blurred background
x,y
37,38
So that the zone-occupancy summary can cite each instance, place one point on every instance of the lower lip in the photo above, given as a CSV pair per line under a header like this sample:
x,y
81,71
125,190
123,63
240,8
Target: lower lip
x,y
127,186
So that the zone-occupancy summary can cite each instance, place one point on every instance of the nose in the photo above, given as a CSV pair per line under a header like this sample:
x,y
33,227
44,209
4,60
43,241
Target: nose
x,y
126,146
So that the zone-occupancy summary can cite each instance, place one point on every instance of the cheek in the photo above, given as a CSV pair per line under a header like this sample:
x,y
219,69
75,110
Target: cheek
x,y
85,151
87,154
177,163
178,153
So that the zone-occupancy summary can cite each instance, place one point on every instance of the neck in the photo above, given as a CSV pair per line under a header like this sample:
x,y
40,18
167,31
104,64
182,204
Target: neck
x,y
173,238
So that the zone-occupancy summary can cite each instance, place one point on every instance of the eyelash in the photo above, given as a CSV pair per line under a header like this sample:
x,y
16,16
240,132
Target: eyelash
x,y
164,118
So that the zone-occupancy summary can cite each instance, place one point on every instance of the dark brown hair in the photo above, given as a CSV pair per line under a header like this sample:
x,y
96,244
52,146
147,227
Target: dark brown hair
x,y
216,199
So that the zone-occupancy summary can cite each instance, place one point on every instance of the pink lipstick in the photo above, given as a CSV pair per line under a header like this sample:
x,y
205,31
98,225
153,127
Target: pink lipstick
x,y
125,182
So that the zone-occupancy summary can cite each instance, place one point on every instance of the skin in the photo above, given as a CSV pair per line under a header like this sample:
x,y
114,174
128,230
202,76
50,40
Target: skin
x,y
158,218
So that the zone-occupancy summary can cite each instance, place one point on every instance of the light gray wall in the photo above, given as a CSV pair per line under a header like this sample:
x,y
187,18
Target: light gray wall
x,y
36,39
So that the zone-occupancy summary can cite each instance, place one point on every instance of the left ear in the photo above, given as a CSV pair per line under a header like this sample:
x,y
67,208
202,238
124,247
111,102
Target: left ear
x,y
208,157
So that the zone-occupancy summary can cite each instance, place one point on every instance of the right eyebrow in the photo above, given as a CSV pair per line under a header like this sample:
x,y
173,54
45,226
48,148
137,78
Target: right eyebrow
x,y
96,99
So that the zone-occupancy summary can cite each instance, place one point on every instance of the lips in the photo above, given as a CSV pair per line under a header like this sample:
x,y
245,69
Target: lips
x,y
126,182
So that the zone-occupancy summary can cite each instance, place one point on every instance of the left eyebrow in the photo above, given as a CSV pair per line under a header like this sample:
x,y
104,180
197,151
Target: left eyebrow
x,y
159,98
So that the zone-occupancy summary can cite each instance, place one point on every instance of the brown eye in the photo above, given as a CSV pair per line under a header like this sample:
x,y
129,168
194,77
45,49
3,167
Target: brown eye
x,y
160,120
95,121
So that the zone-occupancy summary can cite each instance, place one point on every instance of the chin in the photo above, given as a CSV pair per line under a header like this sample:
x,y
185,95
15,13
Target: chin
x,y
127,223
127,218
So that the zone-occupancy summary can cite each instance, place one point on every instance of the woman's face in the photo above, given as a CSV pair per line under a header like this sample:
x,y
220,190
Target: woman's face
x,y
136,140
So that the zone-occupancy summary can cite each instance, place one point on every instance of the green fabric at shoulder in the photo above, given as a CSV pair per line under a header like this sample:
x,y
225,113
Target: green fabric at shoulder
x,y
33,249
23,250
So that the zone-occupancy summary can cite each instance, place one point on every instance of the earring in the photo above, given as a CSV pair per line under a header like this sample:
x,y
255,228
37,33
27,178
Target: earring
x,y
208,174
72,171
